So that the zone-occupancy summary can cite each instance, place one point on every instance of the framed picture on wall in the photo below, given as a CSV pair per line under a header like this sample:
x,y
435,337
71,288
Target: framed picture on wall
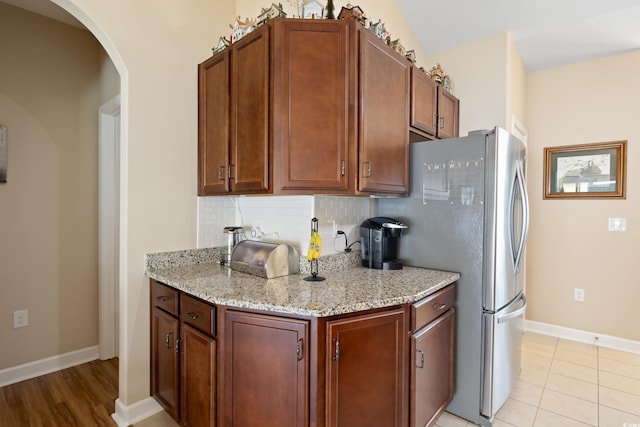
x,y
586,171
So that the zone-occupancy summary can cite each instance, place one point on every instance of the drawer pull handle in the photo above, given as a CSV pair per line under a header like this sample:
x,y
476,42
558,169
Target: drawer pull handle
x,y
421,364
168,339
439,306
192,315
162,298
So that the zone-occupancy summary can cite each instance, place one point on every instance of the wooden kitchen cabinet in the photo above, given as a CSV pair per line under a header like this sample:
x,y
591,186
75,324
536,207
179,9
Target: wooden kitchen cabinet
x,y
383,125
390,366
432,357
266,371
165,371
366,370
448,113
314,91
275,112
434,110
304,107
183,356
233,117
198,363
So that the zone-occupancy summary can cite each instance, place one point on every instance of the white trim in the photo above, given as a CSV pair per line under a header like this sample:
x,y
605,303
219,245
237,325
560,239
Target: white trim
x,y
36,368
109,142
142,409
608,341
518,129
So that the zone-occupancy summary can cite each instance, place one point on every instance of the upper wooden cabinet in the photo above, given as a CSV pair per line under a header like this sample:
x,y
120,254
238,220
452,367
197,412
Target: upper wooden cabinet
x,y
448,113
383,134
233,113
311,107
434,110
314,89
275,112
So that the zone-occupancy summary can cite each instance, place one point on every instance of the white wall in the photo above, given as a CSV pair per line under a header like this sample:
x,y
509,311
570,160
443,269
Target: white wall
x,y
569,245
155,47
53,79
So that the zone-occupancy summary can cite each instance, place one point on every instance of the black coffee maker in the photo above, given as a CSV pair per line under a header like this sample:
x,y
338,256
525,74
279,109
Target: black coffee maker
x,y
379,239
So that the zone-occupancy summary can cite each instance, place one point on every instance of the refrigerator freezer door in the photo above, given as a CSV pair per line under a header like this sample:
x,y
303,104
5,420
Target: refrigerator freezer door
x,y
502,355
506,213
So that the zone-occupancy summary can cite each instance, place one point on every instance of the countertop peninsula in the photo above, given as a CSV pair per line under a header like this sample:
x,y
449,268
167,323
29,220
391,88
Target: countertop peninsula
x,y
348,287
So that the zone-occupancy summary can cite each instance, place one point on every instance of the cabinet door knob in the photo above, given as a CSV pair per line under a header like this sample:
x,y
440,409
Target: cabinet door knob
x,y
167,339
420,362
221,173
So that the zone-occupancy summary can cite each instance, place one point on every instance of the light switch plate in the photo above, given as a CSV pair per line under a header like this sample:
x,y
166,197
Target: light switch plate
x,y
617,224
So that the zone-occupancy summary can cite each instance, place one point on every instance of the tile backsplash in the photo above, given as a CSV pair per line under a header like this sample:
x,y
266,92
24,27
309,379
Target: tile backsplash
x,y
283,219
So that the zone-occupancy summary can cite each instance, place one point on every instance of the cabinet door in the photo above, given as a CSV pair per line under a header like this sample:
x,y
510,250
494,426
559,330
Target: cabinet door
x,y
384,117
266,371
448,113
314,81
424,102
250,113
213,125
366,370
198,385
165,374
432,350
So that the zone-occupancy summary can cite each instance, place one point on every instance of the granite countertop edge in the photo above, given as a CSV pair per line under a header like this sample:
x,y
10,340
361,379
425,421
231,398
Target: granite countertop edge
x,y
348,287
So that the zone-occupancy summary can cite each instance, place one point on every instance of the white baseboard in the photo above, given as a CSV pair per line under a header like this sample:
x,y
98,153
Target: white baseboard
x,y
34,369
608,341
127,415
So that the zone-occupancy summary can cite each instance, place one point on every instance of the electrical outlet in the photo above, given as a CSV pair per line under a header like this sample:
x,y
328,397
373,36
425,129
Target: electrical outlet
x,y
617,224
578,294
20,318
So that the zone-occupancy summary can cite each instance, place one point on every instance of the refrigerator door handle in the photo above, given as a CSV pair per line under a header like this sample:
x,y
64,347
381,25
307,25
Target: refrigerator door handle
x,y
516,313
525,216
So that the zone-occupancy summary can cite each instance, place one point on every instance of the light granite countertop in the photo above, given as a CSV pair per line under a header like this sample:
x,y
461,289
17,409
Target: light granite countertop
x,y
348,287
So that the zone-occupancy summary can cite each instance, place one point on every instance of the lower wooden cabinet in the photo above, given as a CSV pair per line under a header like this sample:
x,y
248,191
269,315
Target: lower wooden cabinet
x,y
165,372
198,385
366,374
183,356
266,371
387,367
432,370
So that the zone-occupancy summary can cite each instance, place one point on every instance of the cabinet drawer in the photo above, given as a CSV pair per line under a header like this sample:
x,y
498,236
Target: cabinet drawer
x,y
431,307
198,314
164,297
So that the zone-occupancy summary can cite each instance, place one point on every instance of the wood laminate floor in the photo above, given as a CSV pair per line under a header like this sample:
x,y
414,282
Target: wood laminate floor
x,y
83,395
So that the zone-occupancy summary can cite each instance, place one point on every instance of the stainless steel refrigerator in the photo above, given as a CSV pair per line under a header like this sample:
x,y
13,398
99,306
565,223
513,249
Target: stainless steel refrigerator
x,y
468,212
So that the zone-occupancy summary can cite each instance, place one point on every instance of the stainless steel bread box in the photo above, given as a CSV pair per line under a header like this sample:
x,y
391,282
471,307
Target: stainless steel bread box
x,y
265,259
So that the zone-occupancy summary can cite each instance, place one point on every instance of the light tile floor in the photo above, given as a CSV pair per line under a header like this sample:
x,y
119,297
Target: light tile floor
x,y
563,384
566,383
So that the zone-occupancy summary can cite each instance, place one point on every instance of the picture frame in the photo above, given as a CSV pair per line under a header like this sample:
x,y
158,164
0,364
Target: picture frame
x,y
586,171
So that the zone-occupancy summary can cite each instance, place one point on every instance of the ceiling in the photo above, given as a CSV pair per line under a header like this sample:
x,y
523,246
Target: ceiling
x,y
547,33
